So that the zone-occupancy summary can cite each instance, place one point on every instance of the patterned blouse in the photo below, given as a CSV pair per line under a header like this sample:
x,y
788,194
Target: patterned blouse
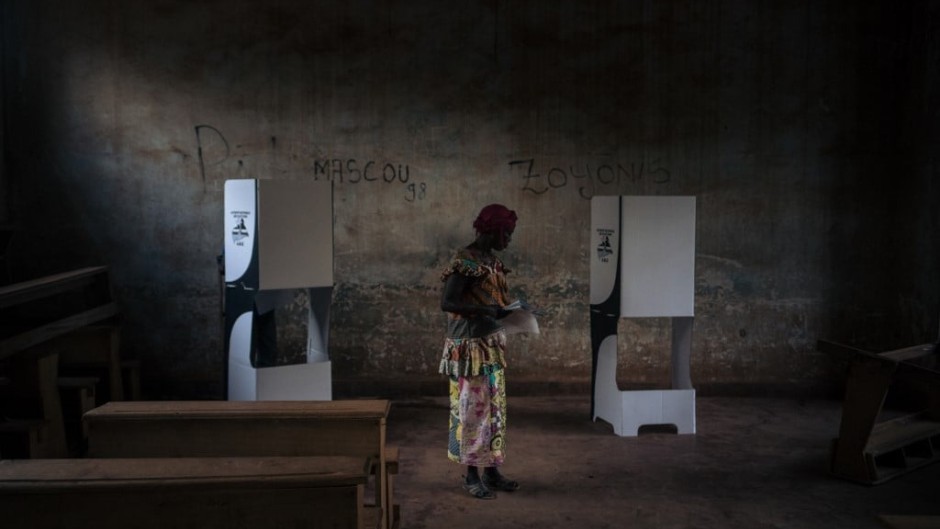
x,y
475,345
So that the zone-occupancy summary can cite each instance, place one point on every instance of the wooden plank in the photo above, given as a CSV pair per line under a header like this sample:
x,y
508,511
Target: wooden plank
x,y
896,521
391,459
228,410
46,286
372,517
54,444
21,425
909,353
209,493
202,508
240,437
230,428
865,390
58,475
36,336
900,432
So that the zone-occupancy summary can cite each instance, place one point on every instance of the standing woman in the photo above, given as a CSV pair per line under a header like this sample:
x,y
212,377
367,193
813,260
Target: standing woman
x,y
475,292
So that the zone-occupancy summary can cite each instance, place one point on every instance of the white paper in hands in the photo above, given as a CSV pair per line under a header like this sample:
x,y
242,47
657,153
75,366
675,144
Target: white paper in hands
x,y
521,319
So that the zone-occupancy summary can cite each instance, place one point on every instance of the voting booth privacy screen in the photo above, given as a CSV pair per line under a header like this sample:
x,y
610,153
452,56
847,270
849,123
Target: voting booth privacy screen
x,y
657,257
642,266
278,240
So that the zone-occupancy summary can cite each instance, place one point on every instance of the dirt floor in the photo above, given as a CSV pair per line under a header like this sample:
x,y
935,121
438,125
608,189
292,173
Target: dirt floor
x,y
753,463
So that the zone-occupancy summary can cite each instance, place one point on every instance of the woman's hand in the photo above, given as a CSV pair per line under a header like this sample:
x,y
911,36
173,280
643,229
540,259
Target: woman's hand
x,y
499,312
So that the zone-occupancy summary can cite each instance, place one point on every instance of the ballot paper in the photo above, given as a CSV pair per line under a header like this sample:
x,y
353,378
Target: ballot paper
x,y
521,319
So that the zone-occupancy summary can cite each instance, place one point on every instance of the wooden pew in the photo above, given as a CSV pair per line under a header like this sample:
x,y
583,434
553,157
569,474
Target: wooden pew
x,y
248,428
209,493
41,309
36,316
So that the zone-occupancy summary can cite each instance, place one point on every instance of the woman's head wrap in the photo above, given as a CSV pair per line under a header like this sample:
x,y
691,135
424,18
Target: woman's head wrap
x,y
495,218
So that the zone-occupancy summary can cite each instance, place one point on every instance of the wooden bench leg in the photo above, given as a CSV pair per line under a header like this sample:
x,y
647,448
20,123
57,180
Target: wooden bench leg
x,y
393,514
85,387
39,421
53,445
131,373
114,365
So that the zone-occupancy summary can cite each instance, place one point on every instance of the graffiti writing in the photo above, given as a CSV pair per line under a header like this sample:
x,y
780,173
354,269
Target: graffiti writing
x,y
202,141
353,171
418,191
214,151
588,177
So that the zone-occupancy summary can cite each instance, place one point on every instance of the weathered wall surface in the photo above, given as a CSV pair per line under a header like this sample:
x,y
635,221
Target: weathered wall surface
x,y
797,124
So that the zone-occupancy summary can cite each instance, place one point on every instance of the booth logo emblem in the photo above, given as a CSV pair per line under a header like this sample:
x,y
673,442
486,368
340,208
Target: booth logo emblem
x,y
604,249
240,231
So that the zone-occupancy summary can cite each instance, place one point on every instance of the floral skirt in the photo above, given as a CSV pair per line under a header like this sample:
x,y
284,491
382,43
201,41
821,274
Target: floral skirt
x,y
478,419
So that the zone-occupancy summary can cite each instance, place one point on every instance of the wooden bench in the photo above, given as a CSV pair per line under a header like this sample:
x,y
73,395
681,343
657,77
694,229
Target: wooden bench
x,y
209,493
873,446
43,308
249,428
36,319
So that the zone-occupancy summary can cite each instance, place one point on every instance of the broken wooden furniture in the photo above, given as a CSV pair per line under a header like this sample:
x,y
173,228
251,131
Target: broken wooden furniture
x,y
249,428
213,492
36,316
876,444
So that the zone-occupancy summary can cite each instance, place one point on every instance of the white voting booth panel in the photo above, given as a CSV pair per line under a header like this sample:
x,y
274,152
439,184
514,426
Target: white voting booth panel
x,y
657,248
278,239
627,411
643,266
310,381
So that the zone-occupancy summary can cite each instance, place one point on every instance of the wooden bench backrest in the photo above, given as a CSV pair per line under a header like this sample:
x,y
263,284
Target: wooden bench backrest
x,y
60,304
234,428
209,493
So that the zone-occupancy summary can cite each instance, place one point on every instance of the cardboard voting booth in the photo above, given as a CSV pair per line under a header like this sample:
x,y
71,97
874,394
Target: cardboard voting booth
x,y
278,239
642,266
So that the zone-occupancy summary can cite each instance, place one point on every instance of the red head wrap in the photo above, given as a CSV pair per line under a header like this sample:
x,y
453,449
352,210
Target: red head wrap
x,y
495,218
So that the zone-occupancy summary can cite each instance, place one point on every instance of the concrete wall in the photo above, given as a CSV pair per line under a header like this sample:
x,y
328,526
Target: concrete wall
x,y
799,125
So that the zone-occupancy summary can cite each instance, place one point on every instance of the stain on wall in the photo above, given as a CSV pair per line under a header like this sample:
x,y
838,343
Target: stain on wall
x,y
798,125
